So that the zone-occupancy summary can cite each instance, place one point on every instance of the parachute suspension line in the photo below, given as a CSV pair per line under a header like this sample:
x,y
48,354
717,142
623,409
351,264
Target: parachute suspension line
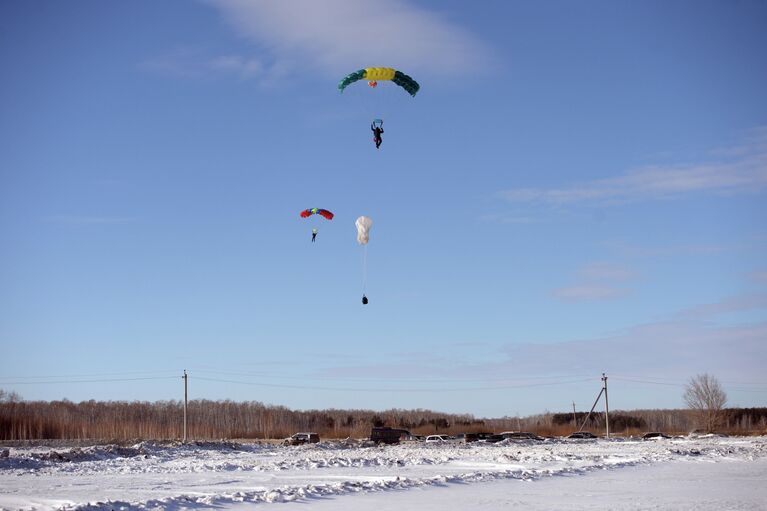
x,y
364,268
376,104
363,225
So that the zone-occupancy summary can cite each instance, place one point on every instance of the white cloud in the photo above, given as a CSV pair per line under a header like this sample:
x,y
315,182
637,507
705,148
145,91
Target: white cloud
x,y
743,169
338,36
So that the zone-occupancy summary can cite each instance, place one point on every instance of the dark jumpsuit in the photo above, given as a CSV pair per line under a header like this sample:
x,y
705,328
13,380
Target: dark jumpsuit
x,y
377,135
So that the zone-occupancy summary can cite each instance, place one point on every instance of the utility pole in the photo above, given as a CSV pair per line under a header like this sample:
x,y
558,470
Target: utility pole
x,y
592,409
186,378
607,408
575,418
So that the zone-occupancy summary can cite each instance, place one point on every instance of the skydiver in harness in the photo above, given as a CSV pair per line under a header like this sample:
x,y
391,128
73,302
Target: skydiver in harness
x,y
377,131
314,235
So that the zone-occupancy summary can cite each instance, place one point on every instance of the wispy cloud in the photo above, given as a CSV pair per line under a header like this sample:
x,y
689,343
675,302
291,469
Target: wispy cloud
x,y
596,283
184,61
74,219
670,349
630,249
508,219
687,343
744,302
759,277
195,61
606,271
337,35
741,169
589,292
245,67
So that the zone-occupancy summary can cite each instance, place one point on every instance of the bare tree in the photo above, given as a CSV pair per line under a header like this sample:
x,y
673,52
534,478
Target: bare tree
x,y
9,397
705,396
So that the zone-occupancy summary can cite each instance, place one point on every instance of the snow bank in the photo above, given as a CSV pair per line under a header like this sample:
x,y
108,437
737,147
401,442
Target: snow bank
x,y
177,476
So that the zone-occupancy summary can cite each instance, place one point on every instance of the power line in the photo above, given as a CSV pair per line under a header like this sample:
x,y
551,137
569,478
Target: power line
x,y
683,385
686,381
389,389
648,382
388,378
86,375
50,382
271,375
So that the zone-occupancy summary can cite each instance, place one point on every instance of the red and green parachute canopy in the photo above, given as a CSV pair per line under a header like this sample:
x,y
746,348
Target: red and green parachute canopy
x,y
381,73
317,211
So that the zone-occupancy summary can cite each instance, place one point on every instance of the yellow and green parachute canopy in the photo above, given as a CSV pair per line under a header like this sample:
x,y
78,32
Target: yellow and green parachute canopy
x,y
381,73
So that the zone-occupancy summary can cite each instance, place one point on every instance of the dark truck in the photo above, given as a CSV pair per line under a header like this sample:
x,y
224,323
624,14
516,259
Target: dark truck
x,y
473,437
388,435
302,438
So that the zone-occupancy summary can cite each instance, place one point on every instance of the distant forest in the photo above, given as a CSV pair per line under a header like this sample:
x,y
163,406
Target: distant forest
x,y
163,420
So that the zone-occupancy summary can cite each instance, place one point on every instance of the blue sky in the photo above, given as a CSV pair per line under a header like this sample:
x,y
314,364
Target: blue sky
x,y
577,188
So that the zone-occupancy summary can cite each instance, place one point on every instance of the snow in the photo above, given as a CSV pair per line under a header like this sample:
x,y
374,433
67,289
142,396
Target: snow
x,y
665,473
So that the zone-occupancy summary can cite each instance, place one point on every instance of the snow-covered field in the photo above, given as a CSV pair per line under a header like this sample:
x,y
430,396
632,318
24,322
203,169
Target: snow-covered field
x,y
681,473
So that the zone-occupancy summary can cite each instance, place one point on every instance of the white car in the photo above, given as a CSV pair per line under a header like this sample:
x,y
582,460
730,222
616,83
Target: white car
x,y
436,439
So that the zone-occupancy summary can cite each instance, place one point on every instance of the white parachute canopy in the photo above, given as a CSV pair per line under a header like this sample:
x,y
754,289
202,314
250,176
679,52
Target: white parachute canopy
x,y
363,224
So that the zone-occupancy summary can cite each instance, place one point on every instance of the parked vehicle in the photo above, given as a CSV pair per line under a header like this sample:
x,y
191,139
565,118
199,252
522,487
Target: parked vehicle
x,y
302,438
654,435
582,435
491,439
437,439
473,437
389,435
521,435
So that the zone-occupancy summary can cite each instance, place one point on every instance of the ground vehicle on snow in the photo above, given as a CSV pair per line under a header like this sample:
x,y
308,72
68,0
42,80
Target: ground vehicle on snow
x,y
473,437
653,435
491,439
582,435
302,438
437,439
520,435
388,435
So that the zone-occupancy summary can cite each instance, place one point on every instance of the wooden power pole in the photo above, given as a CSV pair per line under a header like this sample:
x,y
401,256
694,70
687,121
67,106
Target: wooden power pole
x,y
575,417
186,379
607,408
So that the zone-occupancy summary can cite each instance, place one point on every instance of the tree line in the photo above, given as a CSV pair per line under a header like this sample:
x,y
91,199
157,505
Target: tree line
x,y
207,419
731,420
